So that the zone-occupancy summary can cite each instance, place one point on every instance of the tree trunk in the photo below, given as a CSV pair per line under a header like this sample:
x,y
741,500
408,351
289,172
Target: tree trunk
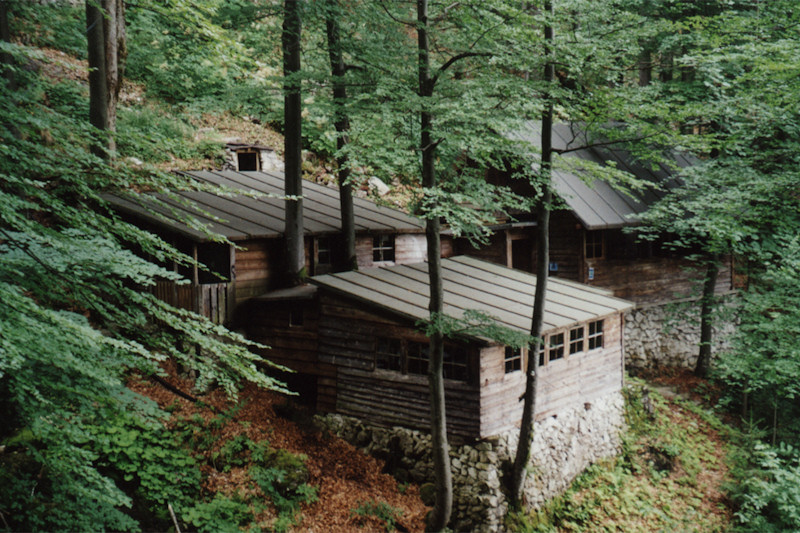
x,y
443,506
706,322
5,35
98,89
106,39
526,432
342,125
292,125
115,54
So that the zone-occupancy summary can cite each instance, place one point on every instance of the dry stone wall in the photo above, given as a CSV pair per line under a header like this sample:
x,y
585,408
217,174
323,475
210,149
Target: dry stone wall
x,y
668,335
564,445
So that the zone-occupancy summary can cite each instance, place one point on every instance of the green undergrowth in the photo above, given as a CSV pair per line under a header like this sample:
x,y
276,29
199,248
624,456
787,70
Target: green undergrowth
x,y
666,477
381,510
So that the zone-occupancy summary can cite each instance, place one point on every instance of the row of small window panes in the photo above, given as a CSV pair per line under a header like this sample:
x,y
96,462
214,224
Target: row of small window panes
x,y
411,357
555,348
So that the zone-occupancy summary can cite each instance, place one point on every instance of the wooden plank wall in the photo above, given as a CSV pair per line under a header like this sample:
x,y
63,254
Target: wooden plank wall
x,y
494,251
653,280
408,249
582,377
257,267
566,383
566,245
295,347
347,336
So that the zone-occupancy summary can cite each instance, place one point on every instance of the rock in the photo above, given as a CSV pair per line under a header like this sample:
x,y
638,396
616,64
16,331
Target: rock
x,y
380,187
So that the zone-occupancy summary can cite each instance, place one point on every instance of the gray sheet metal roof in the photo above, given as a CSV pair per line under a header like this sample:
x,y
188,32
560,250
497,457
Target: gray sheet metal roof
x,y
240,217
597,205
470,283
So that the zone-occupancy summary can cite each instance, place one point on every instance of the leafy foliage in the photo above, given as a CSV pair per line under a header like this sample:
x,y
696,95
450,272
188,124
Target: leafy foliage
x,y
381,510
76,321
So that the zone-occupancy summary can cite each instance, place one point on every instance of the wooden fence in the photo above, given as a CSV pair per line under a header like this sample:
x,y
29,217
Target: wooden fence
x,y
212,300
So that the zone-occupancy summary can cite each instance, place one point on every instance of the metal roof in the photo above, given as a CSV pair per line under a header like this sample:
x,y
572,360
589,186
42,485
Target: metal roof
x,y
472,284
596,204
239,217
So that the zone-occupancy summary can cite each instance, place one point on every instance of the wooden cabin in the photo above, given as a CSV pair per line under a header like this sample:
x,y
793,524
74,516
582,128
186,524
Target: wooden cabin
x,y
587,241
253,265
353,339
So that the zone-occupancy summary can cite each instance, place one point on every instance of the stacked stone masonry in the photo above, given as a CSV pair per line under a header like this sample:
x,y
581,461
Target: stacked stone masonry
x,y
668,335
564,445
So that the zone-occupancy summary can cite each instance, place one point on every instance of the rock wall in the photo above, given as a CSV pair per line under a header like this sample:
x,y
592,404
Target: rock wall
x,y
564,445
668,335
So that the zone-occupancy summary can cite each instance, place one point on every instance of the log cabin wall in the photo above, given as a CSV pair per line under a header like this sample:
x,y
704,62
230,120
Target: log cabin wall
x,y
348,335
407,249
258,266
494,251
289,328
570,381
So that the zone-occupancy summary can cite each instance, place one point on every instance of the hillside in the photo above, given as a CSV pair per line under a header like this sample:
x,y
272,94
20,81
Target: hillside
x,y
348,483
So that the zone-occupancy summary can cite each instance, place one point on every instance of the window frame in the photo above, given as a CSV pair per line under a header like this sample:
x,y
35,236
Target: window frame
x,y
414,355
383,246
574,340
594,240
595,339
555,346
513,359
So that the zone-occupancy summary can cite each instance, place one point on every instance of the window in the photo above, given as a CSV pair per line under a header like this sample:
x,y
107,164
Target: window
x,y
248,161
556,350
576,340
541,351
595,334
455,362
417,358
513,359
383,248
411,357
594,244
389,354
323,262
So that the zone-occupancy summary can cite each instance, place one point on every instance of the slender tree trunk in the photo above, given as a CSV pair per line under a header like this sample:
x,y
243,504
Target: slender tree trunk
x,y
106,39
706,322
526,432
98,89
115,54
342,125
5,35
440,515
292,124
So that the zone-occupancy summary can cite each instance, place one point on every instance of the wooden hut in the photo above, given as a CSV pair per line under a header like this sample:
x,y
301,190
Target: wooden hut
x,y
358,351
587,241
253,265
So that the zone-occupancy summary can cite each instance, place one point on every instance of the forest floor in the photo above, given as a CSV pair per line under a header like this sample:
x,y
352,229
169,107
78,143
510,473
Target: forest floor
x,y
670,475
352,492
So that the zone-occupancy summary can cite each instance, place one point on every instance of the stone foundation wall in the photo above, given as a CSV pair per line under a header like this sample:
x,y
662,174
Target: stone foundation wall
x,y
668,335
564,445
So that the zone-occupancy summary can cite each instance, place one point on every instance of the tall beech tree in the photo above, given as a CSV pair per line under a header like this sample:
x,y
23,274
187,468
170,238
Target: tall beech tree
x,y
107,49
341,123
293,147
525,441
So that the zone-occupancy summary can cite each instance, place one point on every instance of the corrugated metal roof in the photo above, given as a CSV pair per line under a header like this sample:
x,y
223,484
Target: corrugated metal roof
x,y
240,217
596,204
472,284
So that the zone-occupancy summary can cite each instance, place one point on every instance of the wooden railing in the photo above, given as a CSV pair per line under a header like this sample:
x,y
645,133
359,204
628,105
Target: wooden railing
x,y
212,300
